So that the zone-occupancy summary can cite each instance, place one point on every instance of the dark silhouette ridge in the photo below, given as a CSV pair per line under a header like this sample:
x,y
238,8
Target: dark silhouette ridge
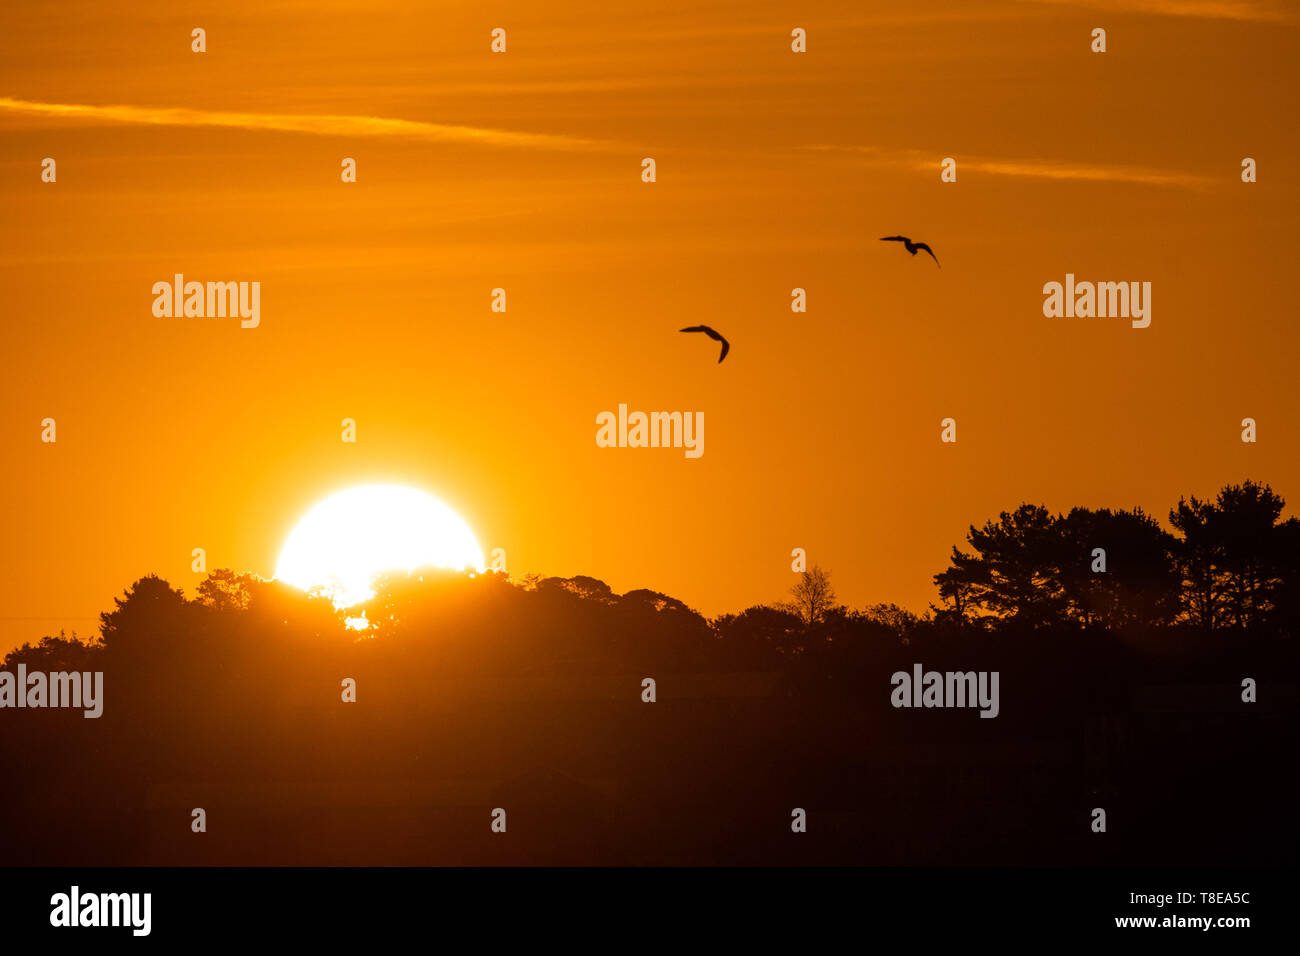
x,y
716,336
912,247
1119,689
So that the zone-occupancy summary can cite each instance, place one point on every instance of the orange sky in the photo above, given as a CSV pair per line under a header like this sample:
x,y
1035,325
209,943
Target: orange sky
x,y
775,170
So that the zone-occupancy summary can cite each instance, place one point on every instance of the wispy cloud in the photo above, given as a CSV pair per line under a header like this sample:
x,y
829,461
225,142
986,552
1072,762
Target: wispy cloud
x,y
1030,168
310,123
1050,169
1202,9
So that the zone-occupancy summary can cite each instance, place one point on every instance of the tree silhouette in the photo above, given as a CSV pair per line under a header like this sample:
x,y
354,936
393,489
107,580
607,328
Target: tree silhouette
x,y
898,620
1013,571
1139,586
757,634
958,594
60,653
1035,569
1235,556
812,596
146,619
226,590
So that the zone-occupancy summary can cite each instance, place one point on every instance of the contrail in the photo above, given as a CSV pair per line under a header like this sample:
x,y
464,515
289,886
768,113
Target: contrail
x,y
1047,169
1030,168
1247,10
314,124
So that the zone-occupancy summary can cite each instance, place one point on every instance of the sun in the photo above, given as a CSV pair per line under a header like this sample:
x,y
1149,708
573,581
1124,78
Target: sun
x,y
343,542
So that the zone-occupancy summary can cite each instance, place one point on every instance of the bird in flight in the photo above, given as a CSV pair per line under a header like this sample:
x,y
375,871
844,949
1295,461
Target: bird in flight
x,y
726,346
912,246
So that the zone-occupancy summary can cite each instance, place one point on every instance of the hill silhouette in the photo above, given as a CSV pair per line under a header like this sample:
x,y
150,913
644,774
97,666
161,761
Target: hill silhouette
x,y
1120,689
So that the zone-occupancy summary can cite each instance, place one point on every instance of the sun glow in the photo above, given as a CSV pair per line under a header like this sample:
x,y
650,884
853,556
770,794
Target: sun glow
x,y
343,542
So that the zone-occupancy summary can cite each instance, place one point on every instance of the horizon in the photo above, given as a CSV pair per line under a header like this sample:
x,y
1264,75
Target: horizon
x,y
1175,538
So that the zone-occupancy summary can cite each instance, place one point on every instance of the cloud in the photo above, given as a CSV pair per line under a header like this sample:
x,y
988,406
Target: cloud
x,y
1051,169
1202,9
1031,168
313,124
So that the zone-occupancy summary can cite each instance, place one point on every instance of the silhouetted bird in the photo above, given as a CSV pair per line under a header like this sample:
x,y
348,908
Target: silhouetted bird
x,y
912,246
726,346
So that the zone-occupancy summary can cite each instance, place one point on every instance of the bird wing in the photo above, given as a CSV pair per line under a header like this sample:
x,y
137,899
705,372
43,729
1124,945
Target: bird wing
x,y
894,239
711,333
922,245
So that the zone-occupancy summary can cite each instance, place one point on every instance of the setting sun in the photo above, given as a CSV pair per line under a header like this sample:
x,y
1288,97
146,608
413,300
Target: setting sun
x,y
343,542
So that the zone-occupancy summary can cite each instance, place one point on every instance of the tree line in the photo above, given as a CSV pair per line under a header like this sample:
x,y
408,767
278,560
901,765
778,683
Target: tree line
x,y
1230,565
